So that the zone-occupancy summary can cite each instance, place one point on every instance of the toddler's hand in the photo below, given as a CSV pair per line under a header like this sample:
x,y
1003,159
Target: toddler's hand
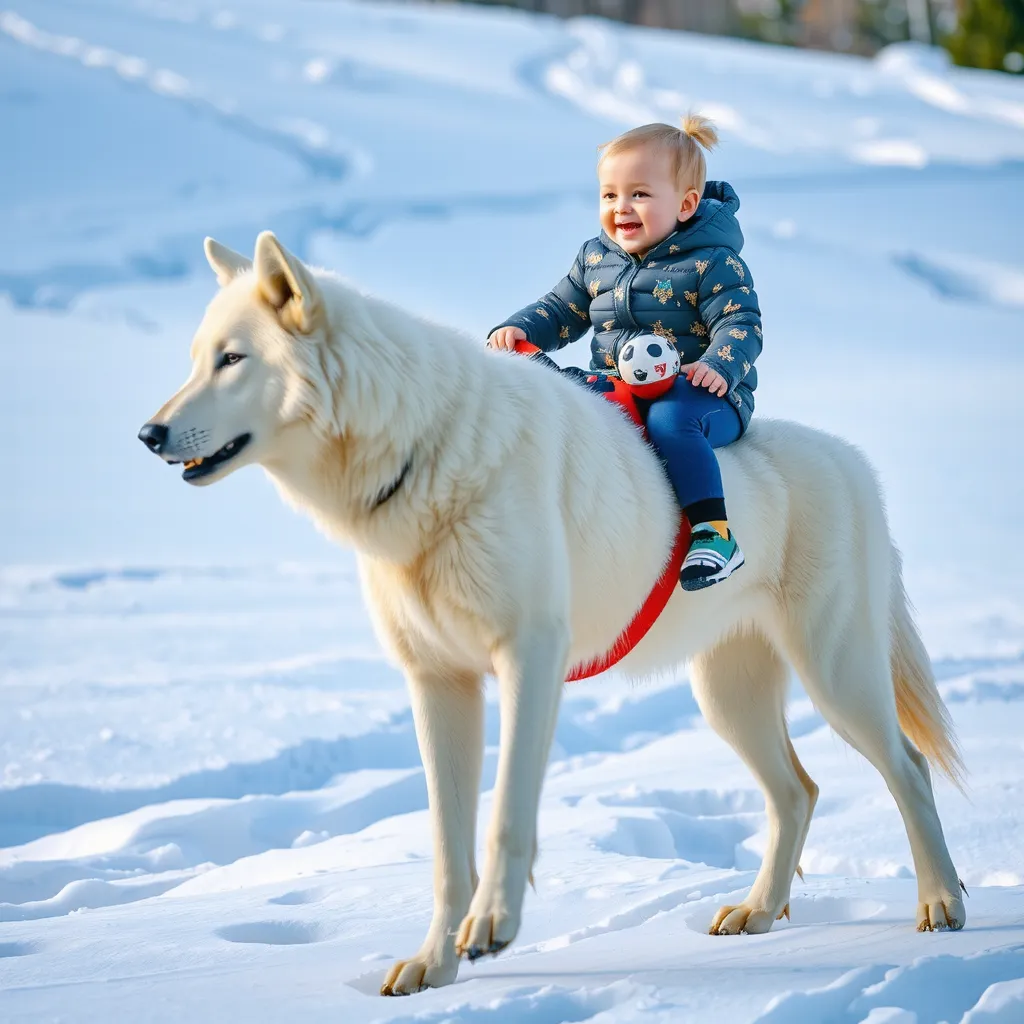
x,y
702,376
506,338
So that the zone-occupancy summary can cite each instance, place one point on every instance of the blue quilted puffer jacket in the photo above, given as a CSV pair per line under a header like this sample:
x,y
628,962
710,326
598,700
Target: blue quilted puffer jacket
x,y
692,289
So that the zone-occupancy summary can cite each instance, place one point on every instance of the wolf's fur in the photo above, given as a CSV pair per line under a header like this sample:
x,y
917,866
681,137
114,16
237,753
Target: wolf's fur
x,y
529,526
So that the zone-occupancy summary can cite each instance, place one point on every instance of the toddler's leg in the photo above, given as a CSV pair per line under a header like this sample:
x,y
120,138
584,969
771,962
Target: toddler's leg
x,y
684,426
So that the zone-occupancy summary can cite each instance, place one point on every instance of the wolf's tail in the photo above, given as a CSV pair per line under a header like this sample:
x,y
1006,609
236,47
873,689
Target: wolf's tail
x,y
922,715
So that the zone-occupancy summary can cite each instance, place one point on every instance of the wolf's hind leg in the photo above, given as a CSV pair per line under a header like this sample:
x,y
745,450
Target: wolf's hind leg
x,y
449,715
530,670
848,676
740,686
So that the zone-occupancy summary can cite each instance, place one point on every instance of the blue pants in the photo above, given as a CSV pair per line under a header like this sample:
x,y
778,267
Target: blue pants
x,y
684,425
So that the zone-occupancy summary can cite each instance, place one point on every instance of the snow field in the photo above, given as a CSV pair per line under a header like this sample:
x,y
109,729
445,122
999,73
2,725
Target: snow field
x,y
212,805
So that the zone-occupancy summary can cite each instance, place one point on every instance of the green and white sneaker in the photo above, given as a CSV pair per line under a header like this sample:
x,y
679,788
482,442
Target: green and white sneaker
x,y
711,558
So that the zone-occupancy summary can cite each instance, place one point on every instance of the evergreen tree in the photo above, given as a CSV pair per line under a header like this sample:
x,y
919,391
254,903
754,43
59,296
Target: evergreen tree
x,y
990,34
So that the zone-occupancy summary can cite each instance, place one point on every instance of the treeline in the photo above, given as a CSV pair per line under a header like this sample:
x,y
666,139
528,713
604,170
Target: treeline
x,y
977,33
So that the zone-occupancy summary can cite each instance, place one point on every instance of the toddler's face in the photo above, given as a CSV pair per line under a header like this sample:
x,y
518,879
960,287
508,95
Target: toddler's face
x,y
641,200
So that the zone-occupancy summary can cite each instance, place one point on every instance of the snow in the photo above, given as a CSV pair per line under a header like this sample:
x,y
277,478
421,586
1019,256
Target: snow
x,y
212,804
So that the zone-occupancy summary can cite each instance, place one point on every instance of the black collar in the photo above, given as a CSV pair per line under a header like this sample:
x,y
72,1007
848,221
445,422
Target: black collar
x,y
386,493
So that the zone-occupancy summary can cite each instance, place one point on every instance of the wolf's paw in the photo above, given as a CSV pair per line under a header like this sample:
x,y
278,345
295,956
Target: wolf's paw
x,y
940,914
417,974
744,920
485,933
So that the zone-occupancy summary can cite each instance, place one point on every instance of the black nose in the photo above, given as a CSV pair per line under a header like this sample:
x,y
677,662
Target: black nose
x,y
154,437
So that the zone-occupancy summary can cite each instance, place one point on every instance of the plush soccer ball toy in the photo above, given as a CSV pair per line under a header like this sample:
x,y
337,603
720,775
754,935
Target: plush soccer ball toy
x,y
648,365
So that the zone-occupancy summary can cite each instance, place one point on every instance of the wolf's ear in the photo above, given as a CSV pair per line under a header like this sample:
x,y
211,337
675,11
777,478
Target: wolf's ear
x,y
286,283
226,263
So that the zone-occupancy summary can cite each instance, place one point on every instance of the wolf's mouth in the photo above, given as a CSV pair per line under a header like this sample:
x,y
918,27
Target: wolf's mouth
x,y
195,469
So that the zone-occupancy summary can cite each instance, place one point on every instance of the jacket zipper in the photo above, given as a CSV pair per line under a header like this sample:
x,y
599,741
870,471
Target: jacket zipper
x,y
630,277
627,285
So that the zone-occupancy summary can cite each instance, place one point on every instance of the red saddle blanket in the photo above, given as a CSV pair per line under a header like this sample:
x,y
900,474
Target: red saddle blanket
x,y
615,390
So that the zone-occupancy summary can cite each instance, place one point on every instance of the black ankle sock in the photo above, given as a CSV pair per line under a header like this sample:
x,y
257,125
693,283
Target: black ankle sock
x,y
708,510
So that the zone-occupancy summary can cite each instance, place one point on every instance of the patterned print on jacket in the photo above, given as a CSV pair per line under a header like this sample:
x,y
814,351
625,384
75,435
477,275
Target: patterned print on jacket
x,y
692,287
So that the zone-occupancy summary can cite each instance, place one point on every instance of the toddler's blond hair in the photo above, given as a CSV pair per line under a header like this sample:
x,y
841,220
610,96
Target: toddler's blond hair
x,y
683,145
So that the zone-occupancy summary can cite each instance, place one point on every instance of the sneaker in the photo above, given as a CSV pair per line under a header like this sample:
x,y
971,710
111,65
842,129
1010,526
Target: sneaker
x,y
710,559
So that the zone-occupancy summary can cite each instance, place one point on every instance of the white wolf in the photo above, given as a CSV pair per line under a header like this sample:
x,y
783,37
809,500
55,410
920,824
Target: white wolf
x,y
496,508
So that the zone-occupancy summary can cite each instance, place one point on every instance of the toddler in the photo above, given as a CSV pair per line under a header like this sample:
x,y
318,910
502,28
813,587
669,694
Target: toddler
x,y
667,263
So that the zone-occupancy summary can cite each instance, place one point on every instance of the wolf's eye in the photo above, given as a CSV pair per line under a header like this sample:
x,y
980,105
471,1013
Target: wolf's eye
x,y
229,359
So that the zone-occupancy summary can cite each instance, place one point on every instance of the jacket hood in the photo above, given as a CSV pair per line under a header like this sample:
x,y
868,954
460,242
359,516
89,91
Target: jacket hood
x,y
715,221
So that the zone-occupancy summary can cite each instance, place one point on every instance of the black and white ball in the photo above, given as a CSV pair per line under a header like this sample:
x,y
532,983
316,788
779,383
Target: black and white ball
x,y
649,364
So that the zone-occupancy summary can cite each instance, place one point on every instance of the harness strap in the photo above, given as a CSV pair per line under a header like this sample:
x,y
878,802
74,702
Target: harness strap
x,y
646,617
615,390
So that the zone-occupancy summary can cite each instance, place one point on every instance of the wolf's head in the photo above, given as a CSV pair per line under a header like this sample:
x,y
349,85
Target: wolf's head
x,y
258,366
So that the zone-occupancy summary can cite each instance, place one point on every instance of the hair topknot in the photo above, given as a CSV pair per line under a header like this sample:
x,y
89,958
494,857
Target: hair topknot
x,y
701,129
684,143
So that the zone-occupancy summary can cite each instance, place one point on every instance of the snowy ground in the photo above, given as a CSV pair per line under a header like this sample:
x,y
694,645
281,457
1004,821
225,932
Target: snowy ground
x,y
212,804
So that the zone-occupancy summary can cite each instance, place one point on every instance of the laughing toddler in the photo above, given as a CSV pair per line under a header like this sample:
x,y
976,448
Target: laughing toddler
x,y
667,263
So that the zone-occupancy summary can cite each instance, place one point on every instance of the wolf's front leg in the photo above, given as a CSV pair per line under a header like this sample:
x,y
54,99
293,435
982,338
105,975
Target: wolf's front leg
x,y
531,671
449,715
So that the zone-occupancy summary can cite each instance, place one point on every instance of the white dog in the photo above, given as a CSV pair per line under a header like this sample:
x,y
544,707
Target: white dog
x,y
493,505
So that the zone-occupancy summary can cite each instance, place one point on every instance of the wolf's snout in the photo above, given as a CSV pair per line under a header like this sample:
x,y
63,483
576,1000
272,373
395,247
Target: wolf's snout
x,y
154,437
